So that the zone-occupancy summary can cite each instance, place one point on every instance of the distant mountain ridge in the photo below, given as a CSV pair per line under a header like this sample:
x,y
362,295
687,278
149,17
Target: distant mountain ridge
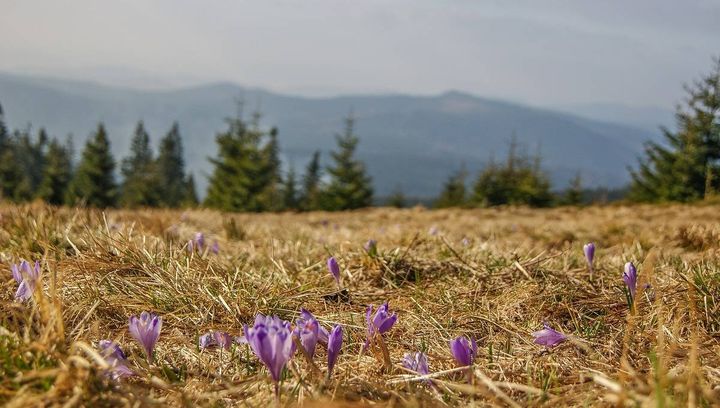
x,y
411,142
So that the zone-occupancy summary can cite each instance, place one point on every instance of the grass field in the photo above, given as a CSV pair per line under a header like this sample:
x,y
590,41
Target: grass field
x,y
494,275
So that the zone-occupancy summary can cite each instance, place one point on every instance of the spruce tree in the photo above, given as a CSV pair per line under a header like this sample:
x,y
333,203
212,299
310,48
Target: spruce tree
x,y
350,187
397,198
289,190
191,198
36,151
310,198
453,193
28,159
140,186
9,171
271,196
170,167
56,175
244,175
4,135
94,181
685,167
520,181
574,193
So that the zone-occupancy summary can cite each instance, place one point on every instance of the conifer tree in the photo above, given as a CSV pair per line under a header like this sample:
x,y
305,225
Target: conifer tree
x,y
350,187
311,189
4,135
57,174
489,188
36,153
574,193
271,196
289,190
191,198
684,167
170,166
140,185
28,156
453,193
520,181
244,173
94,181
397,198
9,171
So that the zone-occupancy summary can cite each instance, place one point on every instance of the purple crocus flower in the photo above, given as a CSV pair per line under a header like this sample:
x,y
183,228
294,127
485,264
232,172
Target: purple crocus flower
x,y
271,339
308,330
199,241
308,317
589,250
371,248
114,356
146,331
433,231
27,278
335,340
548,337
464,350
334,269
630,279
215,339
416,362
379,323
215,248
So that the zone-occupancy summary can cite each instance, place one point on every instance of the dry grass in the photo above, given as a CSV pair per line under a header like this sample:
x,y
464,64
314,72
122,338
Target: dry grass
x,y
520,268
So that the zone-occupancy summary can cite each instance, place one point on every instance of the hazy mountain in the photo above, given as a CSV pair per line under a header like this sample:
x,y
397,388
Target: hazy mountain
x,y
409,141
644,117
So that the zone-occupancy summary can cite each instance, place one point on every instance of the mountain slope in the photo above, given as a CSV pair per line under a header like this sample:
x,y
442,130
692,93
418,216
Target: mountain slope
x,y
409,141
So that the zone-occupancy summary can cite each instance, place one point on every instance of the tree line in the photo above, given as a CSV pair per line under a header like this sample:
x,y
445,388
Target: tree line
x,y
247,173
518,181
684,167
42,168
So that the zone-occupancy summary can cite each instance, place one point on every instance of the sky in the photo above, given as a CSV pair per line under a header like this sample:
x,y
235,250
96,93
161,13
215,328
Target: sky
x,y
548,53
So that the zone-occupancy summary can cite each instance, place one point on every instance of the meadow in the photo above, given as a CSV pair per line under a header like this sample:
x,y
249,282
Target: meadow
x,y
493,275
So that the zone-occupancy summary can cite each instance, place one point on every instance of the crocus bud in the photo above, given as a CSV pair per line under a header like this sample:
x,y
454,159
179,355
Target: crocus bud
x,y
307,328
334,269
379,323
589,250
215,339
335,339
371,248
199,241
630,278
27,278
416,362
548,337
114,356
463,350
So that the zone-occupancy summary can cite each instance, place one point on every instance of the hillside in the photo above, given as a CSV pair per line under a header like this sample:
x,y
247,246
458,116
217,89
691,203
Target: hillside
x,y
409,141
